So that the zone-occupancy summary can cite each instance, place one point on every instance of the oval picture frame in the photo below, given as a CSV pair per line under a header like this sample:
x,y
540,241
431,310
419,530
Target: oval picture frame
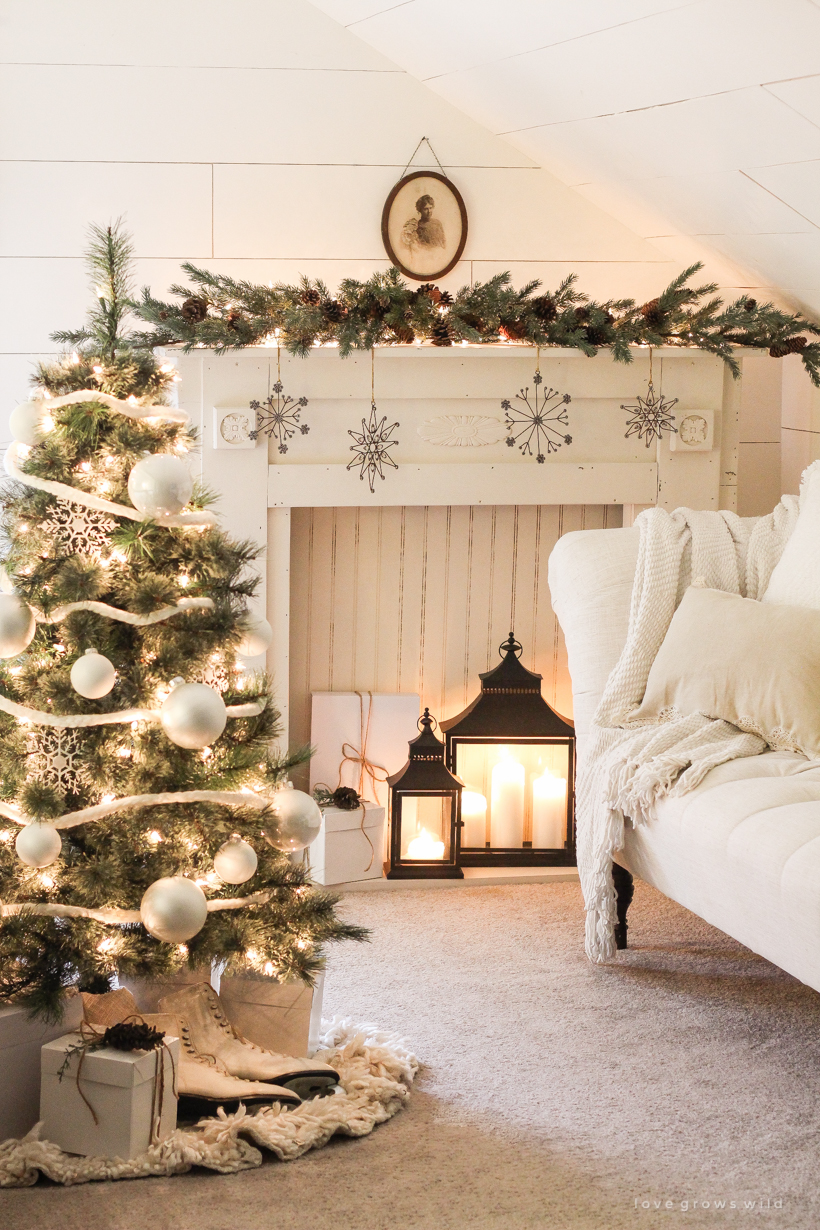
x,y
424,225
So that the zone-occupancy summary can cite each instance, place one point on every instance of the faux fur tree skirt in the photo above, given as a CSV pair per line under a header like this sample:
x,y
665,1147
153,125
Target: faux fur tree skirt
x,y
375,1074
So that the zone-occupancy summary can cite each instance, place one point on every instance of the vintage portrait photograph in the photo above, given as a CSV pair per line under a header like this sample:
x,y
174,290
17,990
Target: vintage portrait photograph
x,y
424,225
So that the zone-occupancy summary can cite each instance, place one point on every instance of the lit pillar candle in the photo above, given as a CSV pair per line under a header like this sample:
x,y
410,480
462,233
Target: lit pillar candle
x,y
474,815
425,846
549,811
507,802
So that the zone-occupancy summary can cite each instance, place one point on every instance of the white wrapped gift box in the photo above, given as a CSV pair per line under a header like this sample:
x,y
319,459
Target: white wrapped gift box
x,y
21,1040
337,722
120,1087
283,1017
345,850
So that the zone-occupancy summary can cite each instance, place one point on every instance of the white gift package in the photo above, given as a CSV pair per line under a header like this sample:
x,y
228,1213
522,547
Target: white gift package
x,y
378,725
346,849
21,1039
283,1017
126,1090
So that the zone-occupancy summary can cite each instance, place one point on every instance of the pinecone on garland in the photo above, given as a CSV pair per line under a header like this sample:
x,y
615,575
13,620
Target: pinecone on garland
x,y
750,305
473,322
194,310
445,299
545,308
233,319
431,291
310,297
789,345
597,335
513,330
653,313
582,315
441,334
404,334
333,311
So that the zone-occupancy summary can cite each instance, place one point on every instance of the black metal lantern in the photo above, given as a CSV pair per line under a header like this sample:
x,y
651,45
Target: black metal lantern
x,y
425,812
516,758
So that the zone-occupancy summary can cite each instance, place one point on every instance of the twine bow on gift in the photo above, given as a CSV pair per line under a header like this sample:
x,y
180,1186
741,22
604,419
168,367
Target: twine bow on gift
x,y
377,774
131,1034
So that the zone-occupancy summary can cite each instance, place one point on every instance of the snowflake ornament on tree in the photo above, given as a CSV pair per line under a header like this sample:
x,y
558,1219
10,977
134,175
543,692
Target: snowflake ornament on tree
x,y
278,416
55,756
541,421
76,530
651,417
371,446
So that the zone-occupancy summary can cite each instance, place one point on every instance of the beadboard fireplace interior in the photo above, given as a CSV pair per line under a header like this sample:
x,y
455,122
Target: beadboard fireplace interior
x,y
412,587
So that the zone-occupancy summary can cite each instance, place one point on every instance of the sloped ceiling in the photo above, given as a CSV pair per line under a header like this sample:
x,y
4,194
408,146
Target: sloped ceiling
x,y
695,124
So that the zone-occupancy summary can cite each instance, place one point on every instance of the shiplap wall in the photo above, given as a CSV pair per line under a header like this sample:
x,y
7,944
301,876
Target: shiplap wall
x,y
258,139
419,599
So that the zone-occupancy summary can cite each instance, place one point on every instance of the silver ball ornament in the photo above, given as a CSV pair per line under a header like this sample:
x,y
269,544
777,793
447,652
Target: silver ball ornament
x,y
235,861
17,625
258,636
29,422
38,844
297,822
160,485
193,715
173,909
92,675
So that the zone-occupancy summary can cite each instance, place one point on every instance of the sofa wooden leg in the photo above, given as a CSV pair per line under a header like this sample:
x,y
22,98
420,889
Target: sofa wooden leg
x,y
624,892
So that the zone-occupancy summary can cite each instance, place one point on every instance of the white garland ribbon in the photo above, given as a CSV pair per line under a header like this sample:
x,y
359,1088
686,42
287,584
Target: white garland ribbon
x,y
74,721
117,918
124,617
132,409
193,519
233,798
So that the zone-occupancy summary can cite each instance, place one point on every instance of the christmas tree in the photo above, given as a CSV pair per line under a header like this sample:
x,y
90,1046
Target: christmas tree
x,y
138,785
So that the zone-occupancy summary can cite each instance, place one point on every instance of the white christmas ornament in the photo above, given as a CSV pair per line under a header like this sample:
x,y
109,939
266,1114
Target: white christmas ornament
x,y
235,861
92,675
173,909
29,422
193,715
298,820
160,485
17,625
38,844
258,636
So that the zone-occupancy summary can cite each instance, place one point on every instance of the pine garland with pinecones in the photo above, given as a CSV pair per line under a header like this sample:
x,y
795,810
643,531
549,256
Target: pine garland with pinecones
x,y
385,311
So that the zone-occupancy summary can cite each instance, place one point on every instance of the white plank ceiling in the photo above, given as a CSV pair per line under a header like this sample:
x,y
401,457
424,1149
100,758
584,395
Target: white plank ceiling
x,y
695,124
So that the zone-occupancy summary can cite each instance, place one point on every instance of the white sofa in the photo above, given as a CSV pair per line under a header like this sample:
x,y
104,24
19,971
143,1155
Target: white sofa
x,y
742,850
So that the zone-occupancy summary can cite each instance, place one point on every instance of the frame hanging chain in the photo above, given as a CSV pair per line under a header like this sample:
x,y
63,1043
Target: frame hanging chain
x,y
416,150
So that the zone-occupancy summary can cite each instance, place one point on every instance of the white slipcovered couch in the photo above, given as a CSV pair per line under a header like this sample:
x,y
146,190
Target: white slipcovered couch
x,y
743,849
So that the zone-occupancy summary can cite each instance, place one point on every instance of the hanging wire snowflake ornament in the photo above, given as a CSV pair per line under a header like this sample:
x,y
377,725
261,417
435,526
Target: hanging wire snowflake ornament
x,y
371,446
373,441
76,530
279,414
541,420
55,758
651,417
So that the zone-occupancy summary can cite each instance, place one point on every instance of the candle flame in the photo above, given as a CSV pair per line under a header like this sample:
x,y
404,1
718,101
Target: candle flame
x,y
425,846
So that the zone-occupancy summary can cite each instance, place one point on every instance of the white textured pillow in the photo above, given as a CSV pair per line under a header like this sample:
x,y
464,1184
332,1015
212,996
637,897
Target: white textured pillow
x,y
754,665
795,580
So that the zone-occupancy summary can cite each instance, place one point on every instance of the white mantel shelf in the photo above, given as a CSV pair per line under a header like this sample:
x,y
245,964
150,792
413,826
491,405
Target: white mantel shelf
x,y
334,486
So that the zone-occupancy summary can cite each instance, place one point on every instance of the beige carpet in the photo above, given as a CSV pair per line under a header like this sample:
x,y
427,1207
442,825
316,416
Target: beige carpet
x,y
556,1094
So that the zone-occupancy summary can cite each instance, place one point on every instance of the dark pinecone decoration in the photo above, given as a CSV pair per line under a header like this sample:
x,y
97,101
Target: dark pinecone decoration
x,y
789,345
333,311
545,308
474,322
194,310
441,333
597,335
133,1036
233,319
310,297
404,334
346,798
750,305
514,330
445,299
431,291
653,313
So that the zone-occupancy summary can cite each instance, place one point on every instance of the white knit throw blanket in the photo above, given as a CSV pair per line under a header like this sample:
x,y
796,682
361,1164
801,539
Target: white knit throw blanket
x,y
627,765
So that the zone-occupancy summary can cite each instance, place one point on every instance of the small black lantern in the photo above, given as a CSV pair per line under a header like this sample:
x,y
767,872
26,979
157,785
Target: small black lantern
x,y
425,812
516,758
